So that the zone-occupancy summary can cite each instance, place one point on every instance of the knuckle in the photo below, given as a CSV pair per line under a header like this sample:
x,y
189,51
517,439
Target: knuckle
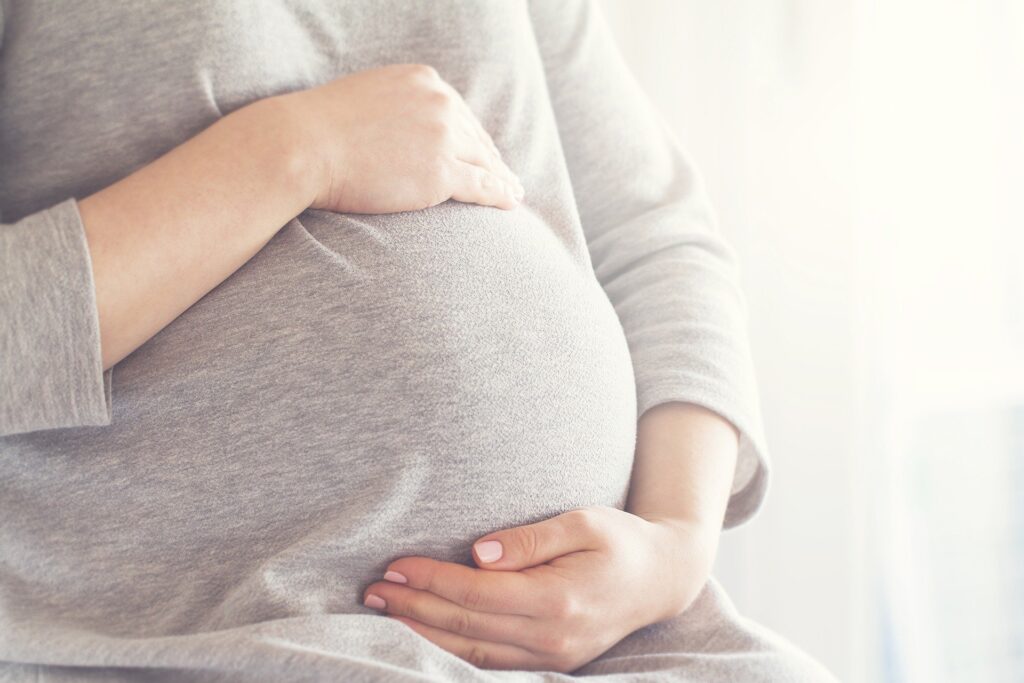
x,y
563,607
485,181
438,128
586,522
439,101
412,605
441,132
525,541
423,72
459,622
476,655
555,644
472,597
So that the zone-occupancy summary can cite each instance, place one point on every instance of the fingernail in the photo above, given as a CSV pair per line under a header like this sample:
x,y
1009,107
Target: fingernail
x,y
395,577
488,551
375,602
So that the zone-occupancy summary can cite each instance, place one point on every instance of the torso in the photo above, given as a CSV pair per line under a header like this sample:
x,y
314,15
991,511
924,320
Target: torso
x,y
366,387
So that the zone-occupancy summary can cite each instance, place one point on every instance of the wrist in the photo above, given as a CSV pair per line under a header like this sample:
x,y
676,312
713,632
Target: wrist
x,y
275,125
682,531
675,521
686,522
686,554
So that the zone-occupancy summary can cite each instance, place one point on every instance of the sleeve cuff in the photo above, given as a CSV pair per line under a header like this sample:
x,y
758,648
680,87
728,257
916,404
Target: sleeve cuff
x,y
51,367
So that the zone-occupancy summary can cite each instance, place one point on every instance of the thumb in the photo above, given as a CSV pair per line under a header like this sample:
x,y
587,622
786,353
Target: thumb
x,y
527,546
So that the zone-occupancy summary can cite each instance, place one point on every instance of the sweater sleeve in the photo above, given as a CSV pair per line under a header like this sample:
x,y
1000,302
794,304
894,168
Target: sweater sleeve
x,y
652,237
51,369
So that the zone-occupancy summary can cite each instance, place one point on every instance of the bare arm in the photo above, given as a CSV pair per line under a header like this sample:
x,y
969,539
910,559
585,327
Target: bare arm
x,y
391,139
684,465
167,234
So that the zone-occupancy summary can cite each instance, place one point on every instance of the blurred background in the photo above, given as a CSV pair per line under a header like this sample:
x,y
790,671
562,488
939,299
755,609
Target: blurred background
x,y
866,158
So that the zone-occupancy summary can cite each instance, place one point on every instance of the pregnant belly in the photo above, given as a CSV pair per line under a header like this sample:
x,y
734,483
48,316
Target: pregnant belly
x,y
363,389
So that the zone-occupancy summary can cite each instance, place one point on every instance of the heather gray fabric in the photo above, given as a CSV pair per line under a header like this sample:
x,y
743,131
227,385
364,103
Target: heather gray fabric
x,y
366,387
710,642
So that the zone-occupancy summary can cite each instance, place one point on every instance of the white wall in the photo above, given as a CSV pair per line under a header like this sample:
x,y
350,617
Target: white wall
x,y
866,159
760,93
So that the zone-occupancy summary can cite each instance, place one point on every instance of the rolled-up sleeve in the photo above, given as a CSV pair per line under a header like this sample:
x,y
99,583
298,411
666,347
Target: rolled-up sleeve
x,y
652,237
51,368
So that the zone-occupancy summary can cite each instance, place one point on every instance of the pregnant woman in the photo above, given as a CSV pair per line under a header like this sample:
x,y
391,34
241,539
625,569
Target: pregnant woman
x,y
360,340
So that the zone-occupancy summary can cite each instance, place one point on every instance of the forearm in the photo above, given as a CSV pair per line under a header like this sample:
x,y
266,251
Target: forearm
x,y
684,465
167,234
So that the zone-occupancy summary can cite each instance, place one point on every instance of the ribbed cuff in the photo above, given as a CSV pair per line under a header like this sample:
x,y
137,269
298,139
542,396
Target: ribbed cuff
x,y
51,367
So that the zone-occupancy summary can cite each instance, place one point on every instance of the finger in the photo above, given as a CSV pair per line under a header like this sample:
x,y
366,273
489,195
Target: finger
x,y
485,137
473,151
433,610
534,544
482,654
477,131
486,143
475,589
476,185
481,132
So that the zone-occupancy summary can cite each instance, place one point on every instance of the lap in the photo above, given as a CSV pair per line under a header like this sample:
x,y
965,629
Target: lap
x,y
710,642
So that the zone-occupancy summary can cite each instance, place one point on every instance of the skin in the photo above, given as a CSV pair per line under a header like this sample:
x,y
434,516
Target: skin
x,y
568,588
398,138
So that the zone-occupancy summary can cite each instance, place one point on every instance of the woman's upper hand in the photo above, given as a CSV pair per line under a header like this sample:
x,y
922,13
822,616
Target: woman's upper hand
x,y
397,138
561,593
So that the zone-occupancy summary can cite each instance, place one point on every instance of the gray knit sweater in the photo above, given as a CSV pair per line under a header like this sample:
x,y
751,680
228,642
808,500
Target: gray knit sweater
x,y
366,387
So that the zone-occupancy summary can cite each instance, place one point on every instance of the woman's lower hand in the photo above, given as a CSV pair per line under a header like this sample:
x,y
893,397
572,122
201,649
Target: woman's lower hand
x,y
552,595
